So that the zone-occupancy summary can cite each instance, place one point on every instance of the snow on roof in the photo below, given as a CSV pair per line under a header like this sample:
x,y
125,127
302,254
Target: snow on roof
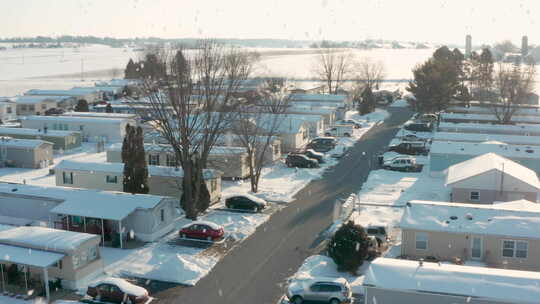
x,y
36,258
45,238
487,162
70,92
306,110
521,129
86,202
503,219
21,143
318,97
118,168
207,223
288,123
482,137
167,148
467,148
31,99
26,131
76,119
489,110
124,285
487,117
100,115
494,284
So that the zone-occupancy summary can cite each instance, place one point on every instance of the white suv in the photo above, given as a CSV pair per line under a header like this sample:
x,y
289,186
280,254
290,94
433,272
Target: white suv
x,y
328,290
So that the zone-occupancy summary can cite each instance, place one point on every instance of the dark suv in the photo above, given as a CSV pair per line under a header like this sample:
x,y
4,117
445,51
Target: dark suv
x,y
322,144
410,148
301,161
419,127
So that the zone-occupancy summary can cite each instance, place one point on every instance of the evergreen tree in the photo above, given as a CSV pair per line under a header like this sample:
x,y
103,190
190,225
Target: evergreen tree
x,y
349,247
368,102
133,157
82,106
108,108
130,72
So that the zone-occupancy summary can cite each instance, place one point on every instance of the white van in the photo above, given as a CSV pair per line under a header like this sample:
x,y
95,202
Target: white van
x,y
340,131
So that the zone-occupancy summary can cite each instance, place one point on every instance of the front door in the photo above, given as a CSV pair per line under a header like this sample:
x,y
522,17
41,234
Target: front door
x,y
476,248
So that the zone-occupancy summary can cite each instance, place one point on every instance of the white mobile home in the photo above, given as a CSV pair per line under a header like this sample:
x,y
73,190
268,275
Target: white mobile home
x,y
93,129
25,153
486,118
164,181
521,111
445,154
482,137
62,140
518,129
413,282
293,132
104,213
132,117
489,178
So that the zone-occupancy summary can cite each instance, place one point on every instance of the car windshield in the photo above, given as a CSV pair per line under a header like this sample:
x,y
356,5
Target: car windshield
x,y
240,151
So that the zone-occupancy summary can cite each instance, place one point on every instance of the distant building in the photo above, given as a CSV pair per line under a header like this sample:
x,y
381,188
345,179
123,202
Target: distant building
x,y
524,46
468,46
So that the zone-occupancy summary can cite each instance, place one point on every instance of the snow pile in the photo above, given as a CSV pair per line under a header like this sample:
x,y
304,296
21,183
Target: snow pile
x,y
10,300
375,116
237,225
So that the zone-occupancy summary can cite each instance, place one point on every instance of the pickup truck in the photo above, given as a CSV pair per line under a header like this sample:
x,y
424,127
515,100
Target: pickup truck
x,y
339,131
402,163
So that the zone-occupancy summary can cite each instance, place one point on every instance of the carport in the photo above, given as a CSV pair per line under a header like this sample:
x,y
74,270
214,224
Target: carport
x,y
29,257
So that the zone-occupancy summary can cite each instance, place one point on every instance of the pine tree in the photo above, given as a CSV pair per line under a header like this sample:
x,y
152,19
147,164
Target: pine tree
x,y
368,102
130,71
82,106
133,157
349,247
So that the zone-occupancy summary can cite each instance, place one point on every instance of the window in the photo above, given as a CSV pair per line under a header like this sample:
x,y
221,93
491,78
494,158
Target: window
x,y
162,215
31,108
515,249
81,128
421,240
111,179
475,195
67,178
44,107
153,159
171,160
58,264
65,127
8,110
23,107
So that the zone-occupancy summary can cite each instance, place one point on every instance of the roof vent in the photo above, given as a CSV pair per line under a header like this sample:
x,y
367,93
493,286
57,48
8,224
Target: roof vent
x,y
469,216
453,217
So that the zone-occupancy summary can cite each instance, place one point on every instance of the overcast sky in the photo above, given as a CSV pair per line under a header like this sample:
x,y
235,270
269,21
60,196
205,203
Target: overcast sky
x,y
412,20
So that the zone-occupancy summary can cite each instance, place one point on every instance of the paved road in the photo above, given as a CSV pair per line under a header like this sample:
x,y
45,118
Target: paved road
x,y
256,271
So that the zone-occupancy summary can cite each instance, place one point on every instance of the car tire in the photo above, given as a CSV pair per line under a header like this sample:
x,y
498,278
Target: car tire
x,y
182,235
334,301
297,300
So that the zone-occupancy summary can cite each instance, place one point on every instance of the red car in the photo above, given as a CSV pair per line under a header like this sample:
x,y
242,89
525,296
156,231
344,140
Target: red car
x,y
202,230
117,290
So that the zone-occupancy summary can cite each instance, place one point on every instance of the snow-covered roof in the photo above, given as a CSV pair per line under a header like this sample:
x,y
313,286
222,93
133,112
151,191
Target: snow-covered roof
x,y
76,119
70,92
509,286
488,117
167,148
45,238
99,115
482,137
288,123
21,143
36,258
487,162
318,97
502,219
207,223
86,202
26,131
118,168
314,110
467,148
32,99
533,110
521,129
124,285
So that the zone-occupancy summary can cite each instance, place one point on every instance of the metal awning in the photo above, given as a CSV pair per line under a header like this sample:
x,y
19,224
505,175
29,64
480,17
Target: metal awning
x,y
28,256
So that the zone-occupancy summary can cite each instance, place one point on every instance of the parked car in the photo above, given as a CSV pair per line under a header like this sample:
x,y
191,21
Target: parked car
x,y
300,161
418,126
54,111
355,123
116,290
410,148
380,232
245,202
322,144
326,290
338,152
202,230
402,163
412,137
432,118
339,131
315,155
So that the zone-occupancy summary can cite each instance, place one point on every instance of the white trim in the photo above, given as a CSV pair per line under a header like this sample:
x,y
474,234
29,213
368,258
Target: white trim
x,y
514,249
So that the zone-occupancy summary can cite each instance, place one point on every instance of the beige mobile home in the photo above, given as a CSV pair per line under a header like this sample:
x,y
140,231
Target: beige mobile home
x,y
389,281
25,153
76,256
61,140
165,181
489,178
502,235
293,132
36,105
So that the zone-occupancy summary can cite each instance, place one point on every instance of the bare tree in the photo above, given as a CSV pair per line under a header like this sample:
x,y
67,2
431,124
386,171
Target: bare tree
x,y
258,125
115,73
514,84
369,73
333,66
190,106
